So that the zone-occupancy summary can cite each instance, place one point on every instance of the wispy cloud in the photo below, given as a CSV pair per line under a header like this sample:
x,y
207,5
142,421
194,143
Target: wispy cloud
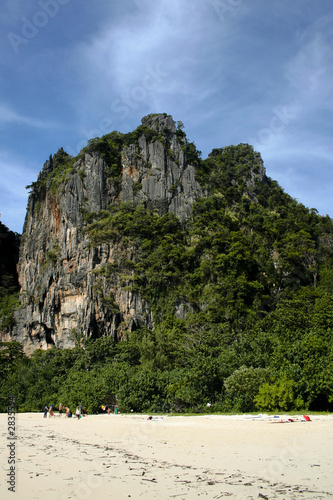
x,y
9,115
310,71
151,60
171,35
307,98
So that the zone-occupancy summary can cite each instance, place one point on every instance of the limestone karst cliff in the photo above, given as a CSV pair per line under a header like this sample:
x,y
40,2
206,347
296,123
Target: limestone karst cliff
x,y
56,267
64,284
178,279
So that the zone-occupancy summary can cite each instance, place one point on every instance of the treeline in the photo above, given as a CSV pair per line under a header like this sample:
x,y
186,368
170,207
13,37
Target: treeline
x,y
284,363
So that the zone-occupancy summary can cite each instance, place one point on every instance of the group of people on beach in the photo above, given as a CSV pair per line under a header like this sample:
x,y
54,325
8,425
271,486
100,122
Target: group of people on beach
x,y
110,409
80,411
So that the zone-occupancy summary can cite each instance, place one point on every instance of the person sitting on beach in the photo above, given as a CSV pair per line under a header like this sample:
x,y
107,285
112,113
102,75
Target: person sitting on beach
x,y
51,411
45,410
78,413
68,412
60,410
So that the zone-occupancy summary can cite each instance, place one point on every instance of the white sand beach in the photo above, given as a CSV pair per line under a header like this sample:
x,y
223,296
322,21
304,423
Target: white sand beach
x,y
128,456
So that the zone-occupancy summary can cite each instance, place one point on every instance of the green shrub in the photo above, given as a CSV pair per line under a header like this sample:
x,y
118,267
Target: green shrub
x,y
243,385
278,396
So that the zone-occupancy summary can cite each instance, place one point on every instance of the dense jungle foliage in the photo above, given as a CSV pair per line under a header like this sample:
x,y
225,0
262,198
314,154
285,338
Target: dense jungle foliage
x,y
253,271
9,287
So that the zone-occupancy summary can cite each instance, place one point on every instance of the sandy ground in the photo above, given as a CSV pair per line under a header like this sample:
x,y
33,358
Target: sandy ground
x,y
128,456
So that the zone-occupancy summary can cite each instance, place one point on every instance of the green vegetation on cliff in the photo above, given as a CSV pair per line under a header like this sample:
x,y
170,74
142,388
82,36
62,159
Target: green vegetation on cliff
x,y
241,295
9,287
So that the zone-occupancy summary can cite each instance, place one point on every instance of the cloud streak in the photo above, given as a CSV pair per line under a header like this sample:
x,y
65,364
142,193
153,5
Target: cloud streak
x,y
10,116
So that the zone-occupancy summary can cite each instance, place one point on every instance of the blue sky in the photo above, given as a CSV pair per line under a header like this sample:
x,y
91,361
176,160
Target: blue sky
x,y
232,71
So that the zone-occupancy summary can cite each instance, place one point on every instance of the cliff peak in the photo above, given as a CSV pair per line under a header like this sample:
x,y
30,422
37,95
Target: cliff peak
x,y
159,122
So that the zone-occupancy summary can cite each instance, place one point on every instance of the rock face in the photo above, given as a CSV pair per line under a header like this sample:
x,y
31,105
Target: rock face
x,y
57,265
67,284
168,182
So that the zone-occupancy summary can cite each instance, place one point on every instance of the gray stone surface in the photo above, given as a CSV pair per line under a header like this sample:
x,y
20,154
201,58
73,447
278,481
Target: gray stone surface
x,y
57,264
60,289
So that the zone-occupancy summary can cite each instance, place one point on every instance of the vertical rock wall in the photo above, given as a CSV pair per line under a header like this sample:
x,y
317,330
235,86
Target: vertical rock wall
x,y
57,266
